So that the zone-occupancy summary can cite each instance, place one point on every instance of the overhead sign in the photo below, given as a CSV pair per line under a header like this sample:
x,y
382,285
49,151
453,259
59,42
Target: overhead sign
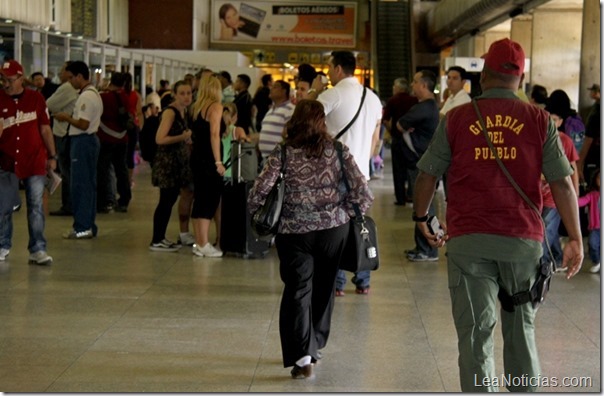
x,y
285,22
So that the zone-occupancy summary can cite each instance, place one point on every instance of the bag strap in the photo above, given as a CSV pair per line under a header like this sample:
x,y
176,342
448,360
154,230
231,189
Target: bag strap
x,y
508,175
347,127
283,158
355,206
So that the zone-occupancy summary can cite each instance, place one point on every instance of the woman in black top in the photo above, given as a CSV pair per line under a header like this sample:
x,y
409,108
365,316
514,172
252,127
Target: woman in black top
x,y
206,163
171,170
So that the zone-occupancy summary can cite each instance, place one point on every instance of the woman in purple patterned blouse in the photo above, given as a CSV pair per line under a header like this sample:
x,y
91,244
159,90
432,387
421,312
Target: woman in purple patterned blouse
x,y
312,231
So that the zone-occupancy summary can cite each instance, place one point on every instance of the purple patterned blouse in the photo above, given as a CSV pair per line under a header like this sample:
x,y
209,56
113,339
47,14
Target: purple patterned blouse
x,y
315,195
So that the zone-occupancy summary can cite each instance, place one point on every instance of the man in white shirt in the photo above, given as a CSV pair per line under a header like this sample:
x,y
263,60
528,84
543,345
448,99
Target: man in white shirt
x,y
274,121
63,100
84,151
341,103
456,79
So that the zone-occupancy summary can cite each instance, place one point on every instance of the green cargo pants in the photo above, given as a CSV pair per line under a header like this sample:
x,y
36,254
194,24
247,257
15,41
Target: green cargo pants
x,y
474,284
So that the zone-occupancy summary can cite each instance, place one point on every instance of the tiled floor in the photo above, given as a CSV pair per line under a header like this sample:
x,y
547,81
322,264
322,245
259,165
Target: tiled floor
x,y
109,315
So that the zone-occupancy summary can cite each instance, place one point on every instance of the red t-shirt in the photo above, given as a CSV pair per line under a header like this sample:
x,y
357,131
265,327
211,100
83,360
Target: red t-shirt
x,y
22,149
571,153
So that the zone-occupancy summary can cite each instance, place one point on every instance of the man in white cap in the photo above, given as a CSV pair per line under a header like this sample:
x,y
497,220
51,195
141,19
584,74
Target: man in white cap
x,y
27,149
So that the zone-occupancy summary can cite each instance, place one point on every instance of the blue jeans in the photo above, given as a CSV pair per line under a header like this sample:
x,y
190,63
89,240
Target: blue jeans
x,y
594,246
34,193
551,217
360,279
84,153
421,243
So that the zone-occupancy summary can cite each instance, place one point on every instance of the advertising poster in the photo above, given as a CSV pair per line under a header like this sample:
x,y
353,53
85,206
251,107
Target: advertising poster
x,y
287,23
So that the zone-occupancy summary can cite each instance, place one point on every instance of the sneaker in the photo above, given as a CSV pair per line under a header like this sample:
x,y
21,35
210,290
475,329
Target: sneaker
x,y
73,234
164,246
3,254
105,209
207,251
595,268
40,257
340,293
420,257
186,239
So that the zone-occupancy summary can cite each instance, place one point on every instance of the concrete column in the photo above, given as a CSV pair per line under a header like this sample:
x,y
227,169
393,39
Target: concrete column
x,y
556,50
590,53
521,31
464,48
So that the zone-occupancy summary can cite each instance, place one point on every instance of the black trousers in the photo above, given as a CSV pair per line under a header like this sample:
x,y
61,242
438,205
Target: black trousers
x,y
62,148
308,267
161,217
112,154
399,170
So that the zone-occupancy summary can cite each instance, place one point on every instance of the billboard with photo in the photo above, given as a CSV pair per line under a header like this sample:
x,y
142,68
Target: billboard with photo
x,y
285,22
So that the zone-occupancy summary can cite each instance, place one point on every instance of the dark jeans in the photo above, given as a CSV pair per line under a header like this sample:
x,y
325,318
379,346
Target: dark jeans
x,y
84,153
308,264
161,217
62,146
113,154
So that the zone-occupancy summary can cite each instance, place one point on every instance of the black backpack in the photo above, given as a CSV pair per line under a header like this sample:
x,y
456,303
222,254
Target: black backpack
x,y
146,138
125,118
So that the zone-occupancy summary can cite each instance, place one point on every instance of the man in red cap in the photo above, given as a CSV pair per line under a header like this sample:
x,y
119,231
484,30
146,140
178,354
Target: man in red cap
x,y
494,238
27,149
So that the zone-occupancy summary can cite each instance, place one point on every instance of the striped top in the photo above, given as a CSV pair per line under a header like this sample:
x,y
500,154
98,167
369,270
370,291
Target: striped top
x,y
272,126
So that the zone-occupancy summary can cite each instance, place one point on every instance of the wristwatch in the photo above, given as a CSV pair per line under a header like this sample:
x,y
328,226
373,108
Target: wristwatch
x,y
422,219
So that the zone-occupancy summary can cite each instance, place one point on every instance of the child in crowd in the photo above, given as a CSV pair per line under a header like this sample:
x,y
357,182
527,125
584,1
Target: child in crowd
x,y
592,199
231,133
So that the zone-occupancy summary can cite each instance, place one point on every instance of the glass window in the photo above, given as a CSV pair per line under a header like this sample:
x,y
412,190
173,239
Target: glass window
x,y
7,42
76,50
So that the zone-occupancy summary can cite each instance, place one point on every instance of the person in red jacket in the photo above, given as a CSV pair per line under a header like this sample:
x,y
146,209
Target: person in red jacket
x,y
494,237
27,149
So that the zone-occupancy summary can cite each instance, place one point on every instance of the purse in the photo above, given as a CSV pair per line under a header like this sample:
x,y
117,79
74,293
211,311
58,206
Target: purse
x,y
361,251
265,221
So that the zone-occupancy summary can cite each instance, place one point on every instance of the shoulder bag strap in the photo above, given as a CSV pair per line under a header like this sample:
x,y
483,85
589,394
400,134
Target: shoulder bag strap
x,y
355,206
508,175
347,127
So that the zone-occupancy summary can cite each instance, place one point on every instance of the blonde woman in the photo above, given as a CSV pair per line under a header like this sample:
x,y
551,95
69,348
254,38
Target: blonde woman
x,y
206,163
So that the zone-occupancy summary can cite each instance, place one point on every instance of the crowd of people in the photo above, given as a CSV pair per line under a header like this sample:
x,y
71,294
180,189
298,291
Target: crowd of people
x,y
328,126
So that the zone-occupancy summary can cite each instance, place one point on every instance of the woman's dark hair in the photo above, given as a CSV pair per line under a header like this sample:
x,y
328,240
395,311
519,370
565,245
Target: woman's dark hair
x,y
559,104
178,84
306,129
127,82
592,182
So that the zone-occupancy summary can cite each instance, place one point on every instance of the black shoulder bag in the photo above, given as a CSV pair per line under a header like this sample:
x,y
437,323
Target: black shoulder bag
x,y
536,294
361,251
347,127
265,221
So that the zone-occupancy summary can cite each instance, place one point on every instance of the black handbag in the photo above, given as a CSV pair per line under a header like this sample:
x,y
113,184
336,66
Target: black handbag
x,y
265,221
361,251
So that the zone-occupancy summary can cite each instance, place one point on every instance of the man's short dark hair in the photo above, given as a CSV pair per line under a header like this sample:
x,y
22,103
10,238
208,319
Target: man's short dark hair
x,y
429,78
462,72
36,74
344,59
117,79
79,67
266,79
226,75
286,87
245,79
539,94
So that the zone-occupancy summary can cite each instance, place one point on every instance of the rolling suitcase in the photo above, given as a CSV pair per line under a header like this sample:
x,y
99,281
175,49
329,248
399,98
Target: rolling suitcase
x,y
244,161
236,234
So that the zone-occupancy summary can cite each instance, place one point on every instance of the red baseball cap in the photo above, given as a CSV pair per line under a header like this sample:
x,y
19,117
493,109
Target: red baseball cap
x,y
11,68
505,56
